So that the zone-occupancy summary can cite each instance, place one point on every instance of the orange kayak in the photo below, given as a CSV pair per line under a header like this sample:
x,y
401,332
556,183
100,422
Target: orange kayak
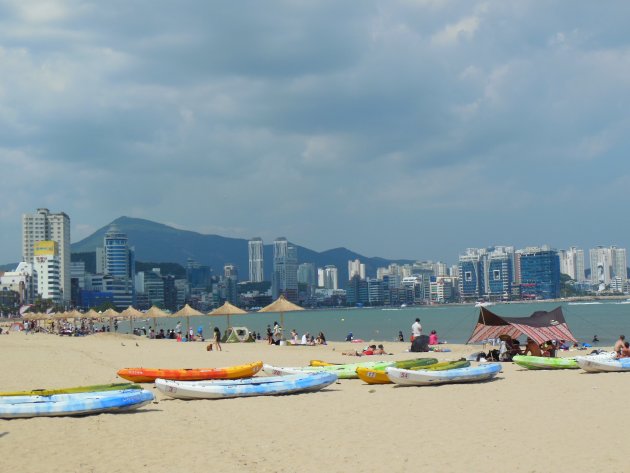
x,y
148,375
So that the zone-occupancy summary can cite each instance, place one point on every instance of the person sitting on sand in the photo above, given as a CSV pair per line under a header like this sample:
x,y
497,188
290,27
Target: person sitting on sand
x,y
433,338
625,351
370,350
380,350
532,348
619,344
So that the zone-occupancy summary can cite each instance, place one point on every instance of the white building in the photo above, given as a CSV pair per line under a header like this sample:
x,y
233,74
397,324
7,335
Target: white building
x,y
22,280
256,260
606,264
46,226
356,267
572,263
47,266
331,279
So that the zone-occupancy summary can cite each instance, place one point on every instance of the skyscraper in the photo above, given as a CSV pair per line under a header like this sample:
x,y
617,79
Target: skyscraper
x,y
284,280
119,267
607,264
331,277
572,263
46,226
356,267
256,261
540,273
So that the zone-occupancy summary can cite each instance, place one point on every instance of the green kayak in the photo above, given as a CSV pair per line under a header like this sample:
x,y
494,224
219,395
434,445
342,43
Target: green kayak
x,y
445,365
74,390
545,362
418,363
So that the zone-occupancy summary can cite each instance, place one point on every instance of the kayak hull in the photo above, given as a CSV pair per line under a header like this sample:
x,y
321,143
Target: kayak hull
x,y
374,376
347,371
149,375
74,404
545,362
265,386
482,372
77,389
602,365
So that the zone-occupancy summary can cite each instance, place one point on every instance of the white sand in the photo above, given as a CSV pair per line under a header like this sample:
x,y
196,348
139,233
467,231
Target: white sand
x,y
524,421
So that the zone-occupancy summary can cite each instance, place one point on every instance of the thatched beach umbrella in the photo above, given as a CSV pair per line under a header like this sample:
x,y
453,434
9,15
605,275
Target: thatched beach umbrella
x,y
227,309
156,313
132,313
281,305
187,312
92,314
110,314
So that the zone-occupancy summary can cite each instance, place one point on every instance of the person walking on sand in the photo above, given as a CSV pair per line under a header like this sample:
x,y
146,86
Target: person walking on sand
x,y
416,329
217,339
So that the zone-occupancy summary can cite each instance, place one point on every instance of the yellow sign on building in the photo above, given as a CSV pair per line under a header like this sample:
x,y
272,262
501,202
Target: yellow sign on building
x,y
45,248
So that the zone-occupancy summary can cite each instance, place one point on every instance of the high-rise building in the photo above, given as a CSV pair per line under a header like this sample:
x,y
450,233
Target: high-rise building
x,y
46,263
46,226
285,262
119,266
356,267
306,275
540,273
230,280
331,277
572,263
607,264
256,260
471,274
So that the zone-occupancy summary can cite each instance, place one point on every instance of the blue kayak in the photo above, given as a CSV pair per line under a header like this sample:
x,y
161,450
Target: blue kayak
x,y
267,386
73,404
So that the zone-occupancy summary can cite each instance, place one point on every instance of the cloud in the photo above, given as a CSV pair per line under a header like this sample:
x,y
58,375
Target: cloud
x,y
332,125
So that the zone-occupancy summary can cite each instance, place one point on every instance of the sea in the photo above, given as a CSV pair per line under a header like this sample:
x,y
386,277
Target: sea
x,y
453,323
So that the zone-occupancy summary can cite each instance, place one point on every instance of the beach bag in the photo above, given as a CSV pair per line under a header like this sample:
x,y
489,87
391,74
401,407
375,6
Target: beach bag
x,y
420,344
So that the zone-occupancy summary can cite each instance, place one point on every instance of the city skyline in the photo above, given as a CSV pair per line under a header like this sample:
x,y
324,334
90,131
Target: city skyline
x,y
412,131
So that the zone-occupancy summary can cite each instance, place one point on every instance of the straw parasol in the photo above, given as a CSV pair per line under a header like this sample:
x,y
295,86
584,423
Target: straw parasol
x,y
187,312
132,313
60,316
91,314
227,309
111,314
74,314
156,313
281,305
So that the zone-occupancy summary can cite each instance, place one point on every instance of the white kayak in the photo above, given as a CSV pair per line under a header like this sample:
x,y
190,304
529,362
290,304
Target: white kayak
x,y
598,364
471,374
264,386
74,403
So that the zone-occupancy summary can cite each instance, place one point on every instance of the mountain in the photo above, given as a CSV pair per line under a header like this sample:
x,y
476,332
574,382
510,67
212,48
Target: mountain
x,y
8,267
160,243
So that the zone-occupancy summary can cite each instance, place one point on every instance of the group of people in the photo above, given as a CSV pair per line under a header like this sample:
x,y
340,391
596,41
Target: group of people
x,y
622,348
369,350
274,336
416,331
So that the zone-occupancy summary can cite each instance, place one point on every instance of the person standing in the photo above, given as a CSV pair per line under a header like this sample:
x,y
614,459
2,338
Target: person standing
x,y
217,339
416,329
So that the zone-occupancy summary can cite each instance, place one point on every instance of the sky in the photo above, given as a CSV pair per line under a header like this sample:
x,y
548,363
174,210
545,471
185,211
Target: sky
x,y
402,128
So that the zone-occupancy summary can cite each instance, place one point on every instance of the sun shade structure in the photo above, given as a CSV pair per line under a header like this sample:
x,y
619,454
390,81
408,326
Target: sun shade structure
x,y
132,313
92,314
187,312
111,314
156,313
227,309
281,305
541,326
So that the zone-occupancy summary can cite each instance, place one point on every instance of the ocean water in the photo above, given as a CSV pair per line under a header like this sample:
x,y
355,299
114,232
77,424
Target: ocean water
x,y
453,323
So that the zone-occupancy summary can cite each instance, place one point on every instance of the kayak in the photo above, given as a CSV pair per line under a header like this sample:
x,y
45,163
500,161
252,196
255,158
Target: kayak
x,y
265,386
74,404
545,362
149,375
379,376
322,363
347,371
77,389
482,372
397,364
598,364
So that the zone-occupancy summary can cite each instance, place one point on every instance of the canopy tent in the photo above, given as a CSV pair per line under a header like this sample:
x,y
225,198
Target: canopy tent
x,y
282,305
227,309
541,326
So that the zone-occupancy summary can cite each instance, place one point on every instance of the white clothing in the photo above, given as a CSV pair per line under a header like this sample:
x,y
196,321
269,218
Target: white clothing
x,y
416,329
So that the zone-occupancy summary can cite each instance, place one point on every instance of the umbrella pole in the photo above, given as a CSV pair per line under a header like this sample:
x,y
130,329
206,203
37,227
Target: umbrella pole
x,y
282,326
188,328
228,321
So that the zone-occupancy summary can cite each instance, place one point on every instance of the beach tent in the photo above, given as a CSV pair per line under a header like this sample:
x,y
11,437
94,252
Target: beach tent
x,y
281,305
541,326
237,335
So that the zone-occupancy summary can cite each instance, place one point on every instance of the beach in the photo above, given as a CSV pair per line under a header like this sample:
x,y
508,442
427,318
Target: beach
x,y
523,421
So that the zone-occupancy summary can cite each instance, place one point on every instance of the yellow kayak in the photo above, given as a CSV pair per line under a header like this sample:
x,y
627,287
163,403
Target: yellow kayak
x,y
372,376
321,363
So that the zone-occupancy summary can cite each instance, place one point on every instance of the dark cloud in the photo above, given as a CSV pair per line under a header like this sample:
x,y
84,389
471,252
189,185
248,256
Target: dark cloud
x,y
412,129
